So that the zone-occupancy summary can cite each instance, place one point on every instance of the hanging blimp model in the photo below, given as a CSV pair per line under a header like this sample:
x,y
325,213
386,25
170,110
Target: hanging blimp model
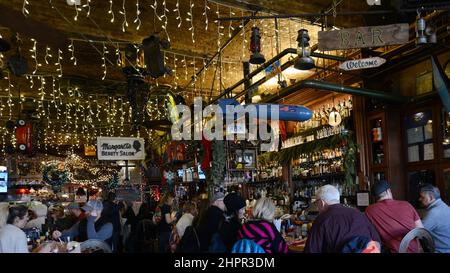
x,y
263,110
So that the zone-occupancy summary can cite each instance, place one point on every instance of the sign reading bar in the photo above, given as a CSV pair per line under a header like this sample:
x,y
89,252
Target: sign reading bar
x,y
120,148
360,37
362,63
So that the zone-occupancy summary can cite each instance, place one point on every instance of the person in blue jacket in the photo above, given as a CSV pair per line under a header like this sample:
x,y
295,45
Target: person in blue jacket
x,y
95,226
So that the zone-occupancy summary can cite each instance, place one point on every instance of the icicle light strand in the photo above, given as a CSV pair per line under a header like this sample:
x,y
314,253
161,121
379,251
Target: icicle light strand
x,y
124,13
24,8
205,13
111,11
177,10
191,19
165,20
88,6
105,51
138,12
72,53
47,54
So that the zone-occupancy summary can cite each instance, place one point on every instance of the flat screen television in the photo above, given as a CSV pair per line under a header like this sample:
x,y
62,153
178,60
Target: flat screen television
x,y
3,179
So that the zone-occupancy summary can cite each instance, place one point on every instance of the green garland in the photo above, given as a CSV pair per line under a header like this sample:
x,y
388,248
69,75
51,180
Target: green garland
x,y
112,183
55,177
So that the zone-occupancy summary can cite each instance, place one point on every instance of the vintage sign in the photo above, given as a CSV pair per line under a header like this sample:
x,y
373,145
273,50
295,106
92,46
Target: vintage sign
x,y
362,37
362,63
120,148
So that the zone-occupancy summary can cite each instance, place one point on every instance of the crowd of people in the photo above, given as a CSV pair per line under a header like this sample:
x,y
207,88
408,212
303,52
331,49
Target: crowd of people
x,y
221,226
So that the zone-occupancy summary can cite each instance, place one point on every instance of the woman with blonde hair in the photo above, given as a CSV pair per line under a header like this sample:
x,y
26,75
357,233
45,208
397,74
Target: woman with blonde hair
x,y
261,229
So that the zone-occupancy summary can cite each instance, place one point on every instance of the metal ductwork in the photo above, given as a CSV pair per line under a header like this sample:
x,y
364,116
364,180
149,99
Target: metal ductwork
x,y
321,85
270,62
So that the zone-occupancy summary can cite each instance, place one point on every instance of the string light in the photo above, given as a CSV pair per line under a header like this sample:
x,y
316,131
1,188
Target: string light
x,y
31,82
111,11
105,51
1,56
175,70
72,51
25,11
59,69
119,60
124,13
47,54
219,27
185,68
177,10
77,9
34,56
155,7
9,101
164,26
88,6
230,26
205,13
191,19
138,12
244,39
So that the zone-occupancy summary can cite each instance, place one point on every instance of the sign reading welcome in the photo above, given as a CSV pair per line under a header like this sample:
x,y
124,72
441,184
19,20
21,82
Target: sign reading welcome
x,y
120,148
362,63
362,37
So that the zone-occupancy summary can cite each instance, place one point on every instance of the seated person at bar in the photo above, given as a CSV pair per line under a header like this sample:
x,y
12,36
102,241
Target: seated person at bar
x,y
437,217
262,230
393,219
12,237
336,225
95,226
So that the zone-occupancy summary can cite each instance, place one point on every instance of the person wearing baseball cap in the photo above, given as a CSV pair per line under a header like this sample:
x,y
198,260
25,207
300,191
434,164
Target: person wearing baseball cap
x,y
94,226
76,213
393,219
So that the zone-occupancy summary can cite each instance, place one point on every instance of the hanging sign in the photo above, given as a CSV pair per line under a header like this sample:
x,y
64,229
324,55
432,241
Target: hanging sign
x,y
362,63
120,148
362,37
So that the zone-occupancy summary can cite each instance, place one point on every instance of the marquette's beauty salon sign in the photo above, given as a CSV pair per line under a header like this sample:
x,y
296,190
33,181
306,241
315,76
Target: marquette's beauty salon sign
x,y
120,148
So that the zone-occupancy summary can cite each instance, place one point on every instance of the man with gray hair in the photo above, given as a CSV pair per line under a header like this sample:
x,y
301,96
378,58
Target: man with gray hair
x,y
437,218
336,224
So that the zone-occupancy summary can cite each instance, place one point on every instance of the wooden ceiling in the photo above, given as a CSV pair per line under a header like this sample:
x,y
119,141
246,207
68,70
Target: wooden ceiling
x,y
191,26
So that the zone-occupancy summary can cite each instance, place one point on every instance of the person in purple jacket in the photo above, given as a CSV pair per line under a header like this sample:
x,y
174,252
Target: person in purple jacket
x,y
336,224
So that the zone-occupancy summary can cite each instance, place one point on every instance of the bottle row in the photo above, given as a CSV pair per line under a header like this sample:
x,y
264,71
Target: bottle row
x,y
322,114
309,188
322,133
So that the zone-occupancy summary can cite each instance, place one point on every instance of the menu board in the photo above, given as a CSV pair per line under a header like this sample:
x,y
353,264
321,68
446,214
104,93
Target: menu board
x,y
362,199
428,130
415,135
428,153
413,153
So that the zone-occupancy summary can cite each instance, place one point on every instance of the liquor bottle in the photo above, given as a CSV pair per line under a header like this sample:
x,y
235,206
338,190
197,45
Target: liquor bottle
x,y
323,116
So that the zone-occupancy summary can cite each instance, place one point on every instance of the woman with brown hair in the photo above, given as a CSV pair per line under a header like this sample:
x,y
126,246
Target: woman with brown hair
x,y
165,226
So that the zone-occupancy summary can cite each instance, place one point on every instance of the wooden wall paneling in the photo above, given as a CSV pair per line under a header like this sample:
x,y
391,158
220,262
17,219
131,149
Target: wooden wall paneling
x,y
394,154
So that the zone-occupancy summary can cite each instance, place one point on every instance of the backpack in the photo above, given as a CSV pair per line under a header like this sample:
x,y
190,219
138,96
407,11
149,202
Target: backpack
x,y
247,246
361,244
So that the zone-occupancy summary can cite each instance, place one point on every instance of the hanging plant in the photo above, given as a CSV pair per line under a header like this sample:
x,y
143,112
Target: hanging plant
x,y
55,175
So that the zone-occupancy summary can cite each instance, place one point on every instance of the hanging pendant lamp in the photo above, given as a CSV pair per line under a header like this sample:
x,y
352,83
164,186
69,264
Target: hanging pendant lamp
x,y
255,47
